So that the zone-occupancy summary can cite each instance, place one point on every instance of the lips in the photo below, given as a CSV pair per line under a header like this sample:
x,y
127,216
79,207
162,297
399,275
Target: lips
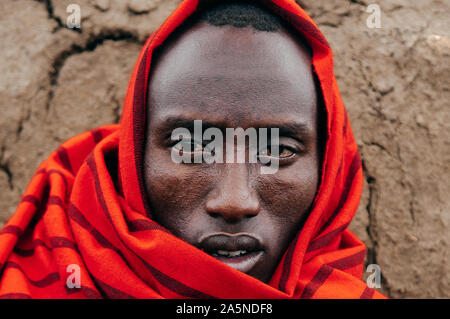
x,y
241,251
229,254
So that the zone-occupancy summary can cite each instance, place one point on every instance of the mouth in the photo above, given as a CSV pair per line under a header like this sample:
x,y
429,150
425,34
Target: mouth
x,y
241,251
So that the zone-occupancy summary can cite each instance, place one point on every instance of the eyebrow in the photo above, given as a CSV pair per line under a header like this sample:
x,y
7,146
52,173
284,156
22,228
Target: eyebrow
x,y
172,122
286,128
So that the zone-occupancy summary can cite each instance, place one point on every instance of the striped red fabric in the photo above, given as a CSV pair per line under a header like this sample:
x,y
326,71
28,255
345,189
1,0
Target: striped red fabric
x,y
78,211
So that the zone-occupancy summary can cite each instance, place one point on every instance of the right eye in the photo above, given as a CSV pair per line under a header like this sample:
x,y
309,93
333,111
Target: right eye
x,y
188,146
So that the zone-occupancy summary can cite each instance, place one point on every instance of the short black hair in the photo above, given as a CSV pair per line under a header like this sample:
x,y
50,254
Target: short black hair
x,y
240,14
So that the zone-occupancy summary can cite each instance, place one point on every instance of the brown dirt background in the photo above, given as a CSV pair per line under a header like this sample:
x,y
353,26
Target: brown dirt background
x,y
56,83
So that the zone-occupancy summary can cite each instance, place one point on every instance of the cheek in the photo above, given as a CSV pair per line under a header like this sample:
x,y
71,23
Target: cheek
x,y
286,197
288,194
175,191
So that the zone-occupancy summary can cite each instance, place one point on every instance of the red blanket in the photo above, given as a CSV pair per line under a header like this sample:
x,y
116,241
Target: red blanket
x,y
86,206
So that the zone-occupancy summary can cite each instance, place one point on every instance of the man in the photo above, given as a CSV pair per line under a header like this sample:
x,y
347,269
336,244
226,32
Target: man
x,y
112,214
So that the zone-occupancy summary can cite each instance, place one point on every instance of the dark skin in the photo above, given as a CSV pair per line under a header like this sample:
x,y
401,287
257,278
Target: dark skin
x,y
234,77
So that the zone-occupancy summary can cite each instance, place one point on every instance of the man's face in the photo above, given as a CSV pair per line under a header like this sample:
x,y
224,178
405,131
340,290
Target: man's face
x,y
234,78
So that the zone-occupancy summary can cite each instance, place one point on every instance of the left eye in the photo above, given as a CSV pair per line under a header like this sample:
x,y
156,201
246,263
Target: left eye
x,y
284,152
186,145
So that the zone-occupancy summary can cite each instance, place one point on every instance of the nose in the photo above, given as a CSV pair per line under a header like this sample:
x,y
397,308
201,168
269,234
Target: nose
x,y
233,199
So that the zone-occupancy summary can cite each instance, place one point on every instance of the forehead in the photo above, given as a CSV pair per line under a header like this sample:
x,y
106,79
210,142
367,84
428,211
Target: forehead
x,y
237,74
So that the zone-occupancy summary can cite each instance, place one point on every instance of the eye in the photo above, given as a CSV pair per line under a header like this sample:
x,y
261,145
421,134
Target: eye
x,y
284,152
288,150
188,144
191,146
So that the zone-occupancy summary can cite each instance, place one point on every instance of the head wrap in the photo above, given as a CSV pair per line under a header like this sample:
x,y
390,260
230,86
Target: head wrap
x,y
85,210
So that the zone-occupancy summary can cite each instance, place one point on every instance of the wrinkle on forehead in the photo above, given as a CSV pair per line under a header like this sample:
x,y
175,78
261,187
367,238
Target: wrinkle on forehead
x,y
234,72
227,50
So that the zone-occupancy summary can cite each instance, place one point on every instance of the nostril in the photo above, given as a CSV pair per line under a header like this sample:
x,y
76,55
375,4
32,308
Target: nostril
x,y
214,215
233,199
232,212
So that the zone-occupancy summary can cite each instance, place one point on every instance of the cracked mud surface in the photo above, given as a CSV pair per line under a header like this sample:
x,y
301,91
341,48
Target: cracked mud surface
x,y
57,82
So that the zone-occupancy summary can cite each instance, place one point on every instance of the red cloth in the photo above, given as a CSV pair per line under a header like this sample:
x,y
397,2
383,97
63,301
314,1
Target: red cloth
x,y
86,205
